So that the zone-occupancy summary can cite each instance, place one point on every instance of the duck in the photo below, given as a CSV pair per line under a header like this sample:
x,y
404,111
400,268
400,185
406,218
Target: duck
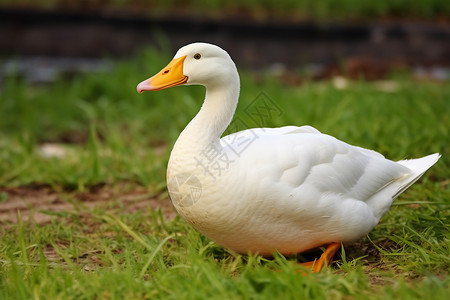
x,y
280,190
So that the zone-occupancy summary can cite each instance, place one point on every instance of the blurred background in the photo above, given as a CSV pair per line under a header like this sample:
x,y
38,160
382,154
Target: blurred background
x,y
42,38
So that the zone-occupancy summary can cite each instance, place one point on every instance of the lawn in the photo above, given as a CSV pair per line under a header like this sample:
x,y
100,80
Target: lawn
x,y
95,220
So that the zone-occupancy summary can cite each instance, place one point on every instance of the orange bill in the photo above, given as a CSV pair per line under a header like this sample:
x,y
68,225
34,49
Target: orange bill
x,y
171,75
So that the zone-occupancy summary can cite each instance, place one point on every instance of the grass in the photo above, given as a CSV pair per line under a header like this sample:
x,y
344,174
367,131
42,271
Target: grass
x,y
304,9
114,137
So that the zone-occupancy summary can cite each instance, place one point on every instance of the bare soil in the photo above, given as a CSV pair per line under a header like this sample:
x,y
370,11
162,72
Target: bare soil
x,y
40,203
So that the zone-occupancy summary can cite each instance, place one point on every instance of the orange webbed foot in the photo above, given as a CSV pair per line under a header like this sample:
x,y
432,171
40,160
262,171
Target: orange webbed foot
x,y
325,258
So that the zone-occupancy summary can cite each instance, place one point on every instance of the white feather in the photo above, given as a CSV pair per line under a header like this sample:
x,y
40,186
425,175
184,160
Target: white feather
x,y
284,189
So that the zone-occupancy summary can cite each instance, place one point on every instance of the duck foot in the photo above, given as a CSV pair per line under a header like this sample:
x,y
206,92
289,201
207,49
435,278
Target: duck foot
x,y
326,257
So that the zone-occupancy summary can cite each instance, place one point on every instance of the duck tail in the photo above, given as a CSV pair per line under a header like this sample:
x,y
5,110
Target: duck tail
x,y
418,167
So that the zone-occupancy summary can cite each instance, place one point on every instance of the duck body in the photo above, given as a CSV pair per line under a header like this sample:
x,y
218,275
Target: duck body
x,y
267,190
291,190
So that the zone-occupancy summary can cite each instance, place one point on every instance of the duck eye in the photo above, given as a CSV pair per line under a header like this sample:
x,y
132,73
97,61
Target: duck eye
x,y
197,56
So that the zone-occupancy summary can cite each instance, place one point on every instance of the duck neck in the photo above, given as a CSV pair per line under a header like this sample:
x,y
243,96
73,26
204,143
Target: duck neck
x,y
213,118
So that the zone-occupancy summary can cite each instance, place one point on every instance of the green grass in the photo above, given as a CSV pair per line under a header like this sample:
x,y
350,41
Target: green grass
x,y
303,9
124,138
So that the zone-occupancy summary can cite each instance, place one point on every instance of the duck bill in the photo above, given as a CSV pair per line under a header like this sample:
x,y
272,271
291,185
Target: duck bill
x,y
171,75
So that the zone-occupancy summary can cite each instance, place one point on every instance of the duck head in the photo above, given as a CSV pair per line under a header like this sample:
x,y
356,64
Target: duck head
x,y
194,64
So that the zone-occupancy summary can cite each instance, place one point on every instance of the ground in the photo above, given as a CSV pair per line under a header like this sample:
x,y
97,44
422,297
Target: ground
x,y
38,203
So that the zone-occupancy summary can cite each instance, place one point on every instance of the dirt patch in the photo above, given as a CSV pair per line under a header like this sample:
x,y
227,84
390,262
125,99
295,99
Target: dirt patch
x,y
39,203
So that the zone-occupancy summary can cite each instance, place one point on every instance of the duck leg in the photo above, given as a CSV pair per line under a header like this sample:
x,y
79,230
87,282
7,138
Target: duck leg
x,y
326,257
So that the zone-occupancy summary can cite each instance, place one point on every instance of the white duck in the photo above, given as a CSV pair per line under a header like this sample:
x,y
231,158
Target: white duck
x,y
267,190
